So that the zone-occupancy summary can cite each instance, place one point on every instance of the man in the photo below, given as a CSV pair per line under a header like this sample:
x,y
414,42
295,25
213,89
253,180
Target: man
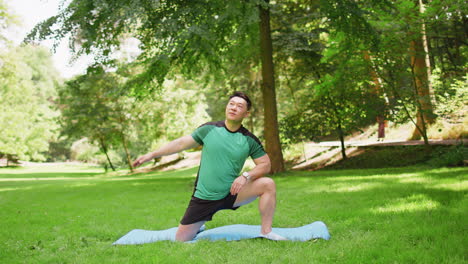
x,y
226,146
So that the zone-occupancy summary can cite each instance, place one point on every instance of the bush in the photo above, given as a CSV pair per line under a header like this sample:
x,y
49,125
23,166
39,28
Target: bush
x,y
399,156
448,157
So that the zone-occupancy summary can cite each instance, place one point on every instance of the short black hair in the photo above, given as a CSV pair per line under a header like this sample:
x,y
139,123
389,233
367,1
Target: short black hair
x,y
243,96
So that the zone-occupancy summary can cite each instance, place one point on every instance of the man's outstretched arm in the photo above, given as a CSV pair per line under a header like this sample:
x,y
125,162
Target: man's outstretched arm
x,y
178,145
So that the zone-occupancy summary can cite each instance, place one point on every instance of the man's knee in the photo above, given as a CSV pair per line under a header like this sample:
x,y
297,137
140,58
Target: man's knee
x,y
268,185
183,236
187,232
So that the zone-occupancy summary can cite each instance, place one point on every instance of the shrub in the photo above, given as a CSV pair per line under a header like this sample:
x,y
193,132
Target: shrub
x,y
448,157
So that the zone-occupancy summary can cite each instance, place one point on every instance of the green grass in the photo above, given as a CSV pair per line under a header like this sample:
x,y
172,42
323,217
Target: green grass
x,y
393,215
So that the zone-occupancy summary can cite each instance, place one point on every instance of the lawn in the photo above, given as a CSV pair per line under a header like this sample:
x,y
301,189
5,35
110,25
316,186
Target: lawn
x,y
393,215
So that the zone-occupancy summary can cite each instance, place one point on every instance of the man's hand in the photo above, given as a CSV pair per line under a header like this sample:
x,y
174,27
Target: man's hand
x,y
142,159
237,185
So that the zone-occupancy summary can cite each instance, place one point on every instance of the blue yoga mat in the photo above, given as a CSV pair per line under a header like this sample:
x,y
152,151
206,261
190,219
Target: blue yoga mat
x,y
314,230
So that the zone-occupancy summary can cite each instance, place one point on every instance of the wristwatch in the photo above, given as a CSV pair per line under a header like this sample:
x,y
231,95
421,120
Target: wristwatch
x,y
246,175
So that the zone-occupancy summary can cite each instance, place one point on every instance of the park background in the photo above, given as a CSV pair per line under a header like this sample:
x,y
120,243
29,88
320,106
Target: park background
x,y
325,77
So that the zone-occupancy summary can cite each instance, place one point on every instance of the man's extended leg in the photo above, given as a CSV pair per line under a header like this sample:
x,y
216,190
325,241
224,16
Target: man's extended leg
x,y
188,232
266,189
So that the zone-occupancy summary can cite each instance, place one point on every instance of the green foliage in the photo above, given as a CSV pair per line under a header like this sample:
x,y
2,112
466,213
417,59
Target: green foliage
x,y
93,107
27,116
338,103
7,19
453,156
352,18
451,101
190,36
3,14
445,21
89,107
174,113
97,106
59,150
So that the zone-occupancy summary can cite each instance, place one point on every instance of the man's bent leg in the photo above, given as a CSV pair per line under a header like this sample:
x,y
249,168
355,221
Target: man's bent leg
x,y
266,189
188,232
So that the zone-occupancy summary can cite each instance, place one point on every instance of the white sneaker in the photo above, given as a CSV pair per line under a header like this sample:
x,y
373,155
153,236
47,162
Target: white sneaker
x,y
273,236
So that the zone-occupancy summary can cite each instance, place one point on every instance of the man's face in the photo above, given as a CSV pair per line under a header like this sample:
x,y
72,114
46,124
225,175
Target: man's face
x,y
236,109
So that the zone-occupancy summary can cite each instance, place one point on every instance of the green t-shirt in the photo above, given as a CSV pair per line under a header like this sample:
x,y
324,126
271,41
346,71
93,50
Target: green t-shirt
x,y
223,156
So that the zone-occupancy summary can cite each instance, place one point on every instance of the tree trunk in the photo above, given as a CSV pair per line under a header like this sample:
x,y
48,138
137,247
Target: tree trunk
x,y
425,42
124,143
425,113
341,135
421,75
104,149
272,142
377,91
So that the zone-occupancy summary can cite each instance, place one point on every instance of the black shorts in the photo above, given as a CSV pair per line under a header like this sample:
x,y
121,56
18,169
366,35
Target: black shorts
x,y
203,210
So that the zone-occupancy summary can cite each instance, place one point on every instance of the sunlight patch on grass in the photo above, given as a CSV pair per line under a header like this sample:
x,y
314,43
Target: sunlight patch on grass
x,y
148,178
421,180
52,169
416,202
45,179
375,177
15,189
457,186
106,177
22,187
81,185
358,187
345,187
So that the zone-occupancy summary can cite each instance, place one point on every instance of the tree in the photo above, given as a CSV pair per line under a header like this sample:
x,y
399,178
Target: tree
x,y
322,68
273,145
6,20
340,102
420,67
90,108
402,56
27,89
399,42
